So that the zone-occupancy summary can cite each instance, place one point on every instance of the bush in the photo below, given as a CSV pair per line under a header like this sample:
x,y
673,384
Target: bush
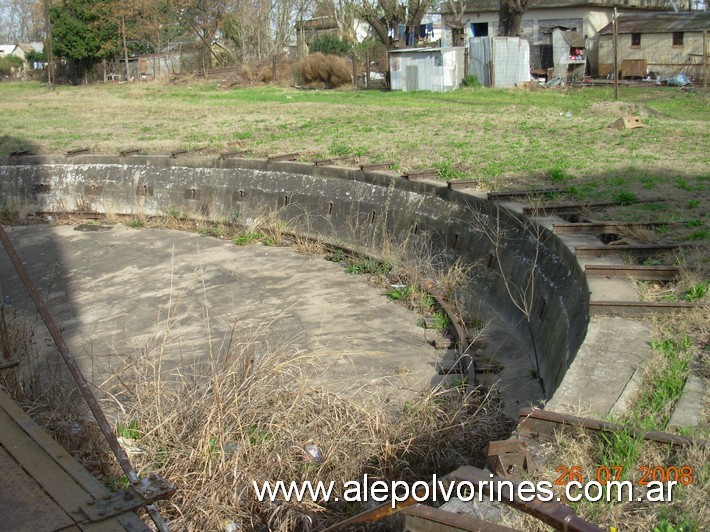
x,y
470,80
331,70
10,64
330,45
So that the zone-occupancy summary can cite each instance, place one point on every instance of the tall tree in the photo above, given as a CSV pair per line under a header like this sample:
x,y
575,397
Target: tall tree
x,y
510,17
85,31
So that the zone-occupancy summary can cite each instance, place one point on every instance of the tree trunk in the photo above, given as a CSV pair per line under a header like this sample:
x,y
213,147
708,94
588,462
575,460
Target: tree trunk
x,y
125,48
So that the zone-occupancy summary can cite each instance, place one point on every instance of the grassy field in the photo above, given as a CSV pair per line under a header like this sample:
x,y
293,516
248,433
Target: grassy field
x,y
503,139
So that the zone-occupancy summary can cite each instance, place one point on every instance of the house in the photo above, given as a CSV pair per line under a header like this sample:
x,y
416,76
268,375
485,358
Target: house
x,y
479,18
659,44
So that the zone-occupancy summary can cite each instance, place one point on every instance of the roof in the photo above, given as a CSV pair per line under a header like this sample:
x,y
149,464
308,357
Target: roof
x,y
424,50
661,23
7,49
484,6
574,39
28,47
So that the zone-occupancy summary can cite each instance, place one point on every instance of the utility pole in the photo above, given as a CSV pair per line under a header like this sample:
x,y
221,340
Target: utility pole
x,y
615,25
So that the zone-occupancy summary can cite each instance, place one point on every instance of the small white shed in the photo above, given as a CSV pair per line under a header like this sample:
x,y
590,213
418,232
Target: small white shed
x,y
426,69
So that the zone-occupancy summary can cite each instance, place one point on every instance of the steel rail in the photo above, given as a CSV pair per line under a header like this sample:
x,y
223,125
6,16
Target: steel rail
x,y
642,273
78,376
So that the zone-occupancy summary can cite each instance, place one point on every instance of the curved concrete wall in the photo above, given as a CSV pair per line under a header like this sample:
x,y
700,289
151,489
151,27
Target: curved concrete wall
x,y
364,210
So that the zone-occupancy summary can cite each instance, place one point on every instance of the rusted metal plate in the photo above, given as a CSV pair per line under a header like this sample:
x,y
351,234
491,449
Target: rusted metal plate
x,y
126,153
431,173
24,506
20,153
463,183
376,166
284,157
78,151
508,458
232,154
642,273
420,518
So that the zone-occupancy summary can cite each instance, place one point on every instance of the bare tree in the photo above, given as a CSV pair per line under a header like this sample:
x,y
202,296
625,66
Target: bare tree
x,y
390,14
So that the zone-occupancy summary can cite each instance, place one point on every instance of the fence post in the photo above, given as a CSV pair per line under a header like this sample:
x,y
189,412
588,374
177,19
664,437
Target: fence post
x,y
273,69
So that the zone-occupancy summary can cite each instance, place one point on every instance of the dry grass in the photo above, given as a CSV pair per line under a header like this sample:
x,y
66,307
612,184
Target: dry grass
x,y
249,415
586,451
331,70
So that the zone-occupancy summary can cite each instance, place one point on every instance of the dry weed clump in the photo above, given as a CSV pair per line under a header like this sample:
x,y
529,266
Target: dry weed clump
x,y
253,413
332,70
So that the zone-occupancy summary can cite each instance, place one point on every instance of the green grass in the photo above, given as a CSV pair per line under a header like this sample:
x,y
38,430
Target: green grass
x,y
248,238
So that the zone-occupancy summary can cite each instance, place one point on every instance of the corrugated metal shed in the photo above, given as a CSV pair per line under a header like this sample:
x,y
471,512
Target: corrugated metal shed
x,y
661,23
426,69
487,6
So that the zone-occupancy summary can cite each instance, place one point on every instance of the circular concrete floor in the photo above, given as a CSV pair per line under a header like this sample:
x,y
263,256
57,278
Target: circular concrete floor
x,y
112,293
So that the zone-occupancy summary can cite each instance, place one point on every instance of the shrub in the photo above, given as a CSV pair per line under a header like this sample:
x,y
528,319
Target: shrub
x,y
470,80
10,64
331,70
330,45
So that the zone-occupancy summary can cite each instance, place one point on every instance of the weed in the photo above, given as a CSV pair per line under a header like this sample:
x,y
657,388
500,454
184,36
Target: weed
x,y
368,266
557,174
693,223
697,292
698,234
440,321
625,197
447,171
693,203
213,230
425,303
400,292
338,255
130,431
247,238
136,223
339,149
175,214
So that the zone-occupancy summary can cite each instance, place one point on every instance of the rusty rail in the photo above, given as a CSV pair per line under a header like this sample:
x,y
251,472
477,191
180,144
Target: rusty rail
x,y
431,173
461,338
639,251
574,208
639,309
535,192
557,515
79,378
534,422
132,151
604,228
642,273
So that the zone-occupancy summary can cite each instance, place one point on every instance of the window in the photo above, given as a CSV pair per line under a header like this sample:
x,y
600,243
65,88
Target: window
x,y
479,29
677,38
635,39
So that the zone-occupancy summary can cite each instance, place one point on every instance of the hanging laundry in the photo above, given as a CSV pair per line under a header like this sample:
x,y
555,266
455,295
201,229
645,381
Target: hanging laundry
x,y
422,31
401,30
